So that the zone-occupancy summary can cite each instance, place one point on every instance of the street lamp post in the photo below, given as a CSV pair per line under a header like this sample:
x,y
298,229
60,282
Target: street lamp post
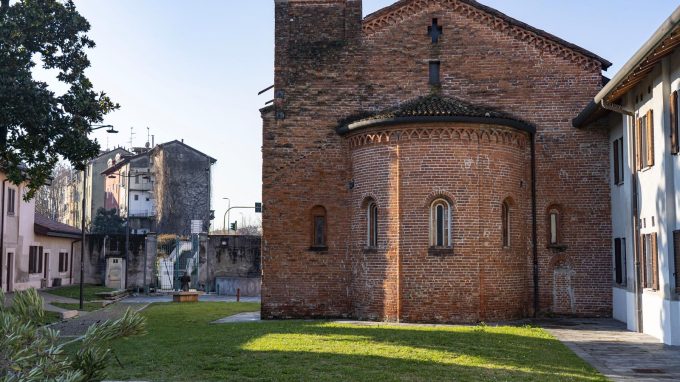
x,y
224,220
110,130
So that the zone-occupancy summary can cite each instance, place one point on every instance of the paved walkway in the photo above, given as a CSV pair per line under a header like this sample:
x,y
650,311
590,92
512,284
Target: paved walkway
x,y
77,326
48,300
241,317
617,353
203,298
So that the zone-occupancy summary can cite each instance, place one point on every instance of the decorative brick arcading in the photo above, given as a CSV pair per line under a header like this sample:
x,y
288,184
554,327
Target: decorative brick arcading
x,y
476,135
379,22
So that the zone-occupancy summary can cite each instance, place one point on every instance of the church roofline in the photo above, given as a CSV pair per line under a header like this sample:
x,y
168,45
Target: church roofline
x,y
432,108
388,12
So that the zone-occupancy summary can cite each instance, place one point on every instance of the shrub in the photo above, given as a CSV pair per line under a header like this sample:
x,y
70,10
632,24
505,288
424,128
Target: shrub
x,y
30,352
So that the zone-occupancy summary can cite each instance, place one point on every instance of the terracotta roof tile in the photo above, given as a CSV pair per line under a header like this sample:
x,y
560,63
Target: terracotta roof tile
x,y
433,105
44,226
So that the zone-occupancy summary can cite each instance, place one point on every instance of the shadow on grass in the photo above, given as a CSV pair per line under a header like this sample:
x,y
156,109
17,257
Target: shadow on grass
x,y
182,345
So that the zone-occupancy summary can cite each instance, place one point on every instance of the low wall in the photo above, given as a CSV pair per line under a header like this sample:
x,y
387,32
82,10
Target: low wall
x,y
249,287
233,261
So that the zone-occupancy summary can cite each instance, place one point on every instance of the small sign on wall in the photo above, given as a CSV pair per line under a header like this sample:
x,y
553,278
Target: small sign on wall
x,y
196,226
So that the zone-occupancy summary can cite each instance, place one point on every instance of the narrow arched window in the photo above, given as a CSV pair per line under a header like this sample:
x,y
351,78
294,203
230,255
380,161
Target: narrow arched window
x,y
319,225
372,227
554,226
440,223
505,223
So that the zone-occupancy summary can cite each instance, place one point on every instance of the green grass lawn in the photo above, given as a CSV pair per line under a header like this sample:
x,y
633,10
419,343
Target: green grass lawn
x,y
50,317
87,306
73,291
182,345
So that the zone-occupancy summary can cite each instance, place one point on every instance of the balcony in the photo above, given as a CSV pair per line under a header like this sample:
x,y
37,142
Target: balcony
x,y
142,213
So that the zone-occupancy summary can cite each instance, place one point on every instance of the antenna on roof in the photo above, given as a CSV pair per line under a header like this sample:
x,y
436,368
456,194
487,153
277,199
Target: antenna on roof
x,y
132,134
148,140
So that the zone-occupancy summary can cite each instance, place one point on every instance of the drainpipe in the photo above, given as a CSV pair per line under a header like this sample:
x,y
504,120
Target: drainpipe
x,y
2,233
635,216
636,235
534,235
399,240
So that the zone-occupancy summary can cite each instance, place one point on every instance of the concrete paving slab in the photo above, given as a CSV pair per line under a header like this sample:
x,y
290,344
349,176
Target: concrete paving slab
x,y
241,317
617,353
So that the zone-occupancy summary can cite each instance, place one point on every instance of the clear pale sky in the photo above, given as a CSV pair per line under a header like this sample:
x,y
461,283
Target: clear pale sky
x,y
192,69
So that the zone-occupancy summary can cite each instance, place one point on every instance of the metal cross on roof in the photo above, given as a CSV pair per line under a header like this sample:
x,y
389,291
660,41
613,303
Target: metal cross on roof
x,y
434,31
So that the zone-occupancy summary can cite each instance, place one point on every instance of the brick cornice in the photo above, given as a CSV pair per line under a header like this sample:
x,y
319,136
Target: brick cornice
x,y
405,9
480,134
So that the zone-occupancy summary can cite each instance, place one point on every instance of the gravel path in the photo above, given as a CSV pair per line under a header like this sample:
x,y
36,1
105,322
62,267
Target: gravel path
x,y
78,326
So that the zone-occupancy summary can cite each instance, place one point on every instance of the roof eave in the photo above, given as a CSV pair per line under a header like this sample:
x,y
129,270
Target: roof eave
x,y
666,28
354,126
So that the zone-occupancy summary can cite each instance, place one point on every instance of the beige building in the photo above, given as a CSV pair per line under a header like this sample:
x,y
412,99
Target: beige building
x,y
35,252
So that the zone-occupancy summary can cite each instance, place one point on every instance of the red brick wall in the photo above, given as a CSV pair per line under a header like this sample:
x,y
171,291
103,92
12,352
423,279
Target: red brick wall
x,y
475,167
328,70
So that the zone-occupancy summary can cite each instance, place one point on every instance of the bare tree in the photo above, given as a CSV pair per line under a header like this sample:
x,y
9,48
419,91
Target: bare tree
x,y
52,198
253,228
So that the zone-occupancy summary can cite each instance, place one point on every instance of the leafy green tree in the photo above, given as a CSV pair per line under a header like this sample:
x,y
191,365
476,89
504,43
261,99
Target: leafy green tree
x,y
108,222
29,352
37,126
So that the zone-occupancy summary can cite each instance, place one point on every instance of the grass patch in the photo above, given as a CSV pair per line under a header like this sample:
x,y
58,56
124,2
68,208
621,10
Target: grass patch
x,y
73,291
183,345
50,317
87,306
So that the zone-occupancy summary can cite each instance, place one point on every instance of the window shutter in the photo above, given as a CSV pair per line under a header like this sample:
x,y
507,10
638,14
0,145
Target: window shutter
x,y
616,161
675,147
638,145
650,138
655,263
617,261
676,256
621,160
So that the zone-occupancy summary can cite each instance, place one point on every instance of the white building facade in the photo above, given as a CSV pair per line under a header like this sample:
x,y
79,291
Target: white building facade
x,y
639,107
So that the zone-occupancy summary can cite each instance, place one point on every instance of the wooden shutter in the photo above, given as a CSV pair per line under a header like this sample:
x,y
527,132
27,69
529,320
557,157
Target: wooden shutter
x,y
617,261
676,256
617,177
621,160
638,145
650,139
675,147
655,263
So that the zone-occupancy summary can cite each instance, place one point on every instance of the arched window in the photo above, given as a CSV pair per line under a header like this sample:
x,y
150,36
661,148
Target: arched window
x,y
554,234
372,226
505,223
440,223
319,227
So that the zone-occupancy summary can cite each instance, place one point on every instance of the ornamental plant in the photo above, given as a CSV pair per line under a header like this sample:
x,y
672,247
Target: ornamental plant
x,y
31,352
